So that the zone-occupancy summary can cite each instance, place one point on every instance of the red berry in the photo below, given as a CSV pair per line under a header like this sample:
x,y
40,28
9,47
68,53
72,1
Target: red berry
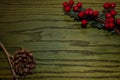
x,y
67,8
111,19
71,2
113,12
106,25
111,25
81,14
89,11
118,21
108,15
84,22
65,4
107,20
79,4
75,8
95,13
112,5
106,5
86,12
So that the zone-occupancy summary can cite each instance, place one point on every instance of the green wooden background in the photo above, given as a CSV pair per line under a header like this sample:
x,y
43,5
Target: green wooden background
x,y
62,49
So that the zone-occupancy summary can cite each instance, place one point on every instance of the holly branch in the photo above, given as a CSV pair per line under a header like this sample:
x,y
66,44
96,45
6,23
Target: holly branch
x,y
105,20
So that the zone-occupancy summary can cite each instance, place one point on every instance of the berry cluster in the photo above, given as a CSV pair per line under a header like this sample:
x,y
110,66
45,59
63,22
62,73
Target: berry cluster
x,y
86,16
83,15
105,20
110,14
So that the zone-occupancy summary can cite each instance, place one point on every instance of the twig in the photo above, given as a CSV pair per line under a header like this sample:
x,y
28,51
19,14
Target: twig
x,y
100,20
8,57
117,29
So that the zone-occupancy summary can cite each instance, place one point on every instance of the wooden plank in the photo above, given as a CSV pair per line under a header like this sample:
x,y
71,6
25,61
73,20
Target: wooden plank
x,y
62,49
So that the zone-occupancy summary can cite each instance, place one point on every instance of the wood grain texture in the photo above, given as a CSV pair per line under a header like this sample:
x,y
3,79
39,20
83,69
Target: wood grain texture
x,y
62,49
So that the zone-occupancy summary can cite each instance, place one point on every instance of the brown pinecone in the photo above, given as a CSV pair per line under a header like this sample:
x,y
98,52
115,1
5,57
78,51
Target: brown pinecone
x,y
23,62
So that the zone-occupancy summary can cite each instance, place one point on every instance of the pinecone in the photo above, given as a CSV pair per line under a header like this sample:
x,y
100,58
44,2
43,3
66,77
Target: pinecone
x,y
23,62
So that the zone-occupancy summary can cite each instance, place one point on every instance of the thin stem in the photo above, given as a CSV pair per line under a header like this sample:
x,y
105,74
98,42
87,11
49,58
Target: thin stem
x,y
117,29
100,20
8,57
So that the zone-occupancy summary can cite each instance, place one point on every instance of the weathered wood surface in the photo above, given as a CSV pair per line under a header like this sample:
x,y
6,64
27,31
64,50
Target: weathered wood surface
x,y
62,49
